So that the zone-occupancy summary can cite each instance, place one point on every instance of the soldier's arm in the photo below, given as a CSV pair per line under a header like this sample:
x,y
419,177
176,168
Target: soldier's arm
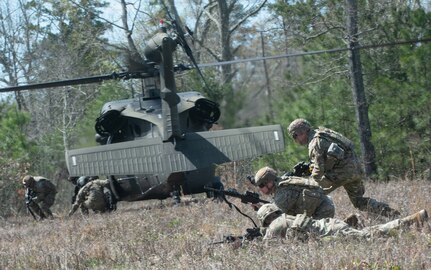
x,y
317,157
38,197
80,198
74,208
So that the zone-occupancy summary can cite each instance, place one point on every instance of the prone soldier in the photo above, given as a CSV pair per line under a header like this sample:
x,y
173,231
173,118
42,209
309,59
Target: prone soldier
x,y
279,225
40,195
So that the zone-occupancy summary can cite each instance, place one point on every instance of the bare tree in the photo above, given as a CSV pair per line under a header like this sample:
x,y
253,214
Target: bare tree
x,y
358,91
20,29
225,18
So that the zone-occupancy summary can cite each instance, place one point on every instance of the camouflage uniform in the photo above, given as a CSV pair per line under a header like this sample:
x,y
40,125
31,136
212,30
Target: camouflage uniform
x,y
297,195
335,164
43,194
81,182
95,195
276,224
300,226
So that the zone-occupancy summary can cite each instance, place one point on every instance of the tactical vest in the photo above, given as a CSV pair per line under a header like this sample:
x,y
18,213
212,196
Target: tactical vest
x,y
326,133
311,194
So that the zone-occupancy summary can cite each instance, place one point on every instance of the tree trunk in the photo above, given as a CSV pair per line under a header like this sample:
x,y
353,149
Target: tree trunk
x,y
359,98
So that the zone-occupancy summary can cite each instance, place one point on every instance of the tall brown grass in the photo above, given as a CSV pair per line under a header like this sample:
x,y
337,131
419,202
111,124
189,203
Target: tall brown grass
x,y
156,235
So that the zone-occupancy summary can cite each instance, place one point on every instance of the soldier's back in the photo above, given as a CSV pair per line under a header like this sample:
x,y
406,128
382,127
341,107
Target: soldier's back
x,y
298,195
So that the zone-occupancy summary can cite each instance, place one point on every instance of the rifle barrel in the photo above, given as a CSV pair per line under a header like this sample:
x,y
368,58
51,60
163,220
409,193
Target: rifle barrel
x,y
247,197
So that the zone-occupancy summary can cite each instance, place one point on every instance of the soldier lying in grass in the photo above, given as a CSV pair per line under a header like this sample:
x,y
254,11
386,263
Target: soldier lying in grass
x,y
275,224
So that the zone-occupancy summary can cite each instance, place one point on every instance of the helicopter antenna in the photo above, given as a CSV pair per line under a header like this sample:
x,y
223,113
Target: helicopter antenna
x,y
181,39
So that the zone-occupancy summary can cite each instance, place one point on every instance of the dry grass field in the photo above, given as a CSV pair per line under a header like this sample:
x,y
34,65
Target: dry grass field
x,y
156,235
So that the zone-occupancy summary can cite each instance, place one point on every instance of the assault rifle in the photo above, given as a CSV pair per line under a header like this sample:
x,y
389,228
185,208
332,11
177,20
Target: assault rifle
x,y
300,169
250,235
247,197
29,195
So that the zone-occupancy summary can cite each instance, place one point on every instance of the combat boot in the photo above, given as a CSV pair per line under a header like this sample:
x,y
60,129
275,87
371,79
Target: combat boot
x,y
389,212
417,218
376,207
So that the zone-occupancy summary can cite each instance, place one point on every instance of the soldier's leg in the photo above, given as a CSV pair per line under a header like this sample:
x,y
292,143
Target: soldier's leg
x,y
332,227
45,209
84,210
109,199
36,209
417,219
325,209
355,191
47,203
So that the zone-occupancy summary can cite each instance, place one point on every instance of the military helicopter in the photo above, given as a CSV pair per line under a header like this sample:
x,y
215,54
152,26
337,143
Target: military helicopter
x,y
159,144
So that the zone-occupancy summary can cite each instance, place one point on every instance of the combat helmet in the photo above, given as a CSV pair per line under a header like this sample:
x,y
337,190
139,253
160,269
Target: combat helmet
x,y
28,180
83,180
298,125
265,211
264,175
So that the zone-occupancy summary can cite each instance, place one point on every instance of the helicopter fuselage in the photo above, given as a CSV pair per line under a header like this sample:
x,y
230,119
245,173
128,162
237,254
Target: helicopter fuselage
x,y
140,119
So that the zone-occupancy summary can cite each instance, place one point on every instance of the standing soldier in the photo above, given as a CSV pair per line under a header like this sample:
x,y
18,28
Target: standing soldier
x,y
40,195
278,225
295,195
335,164
96,196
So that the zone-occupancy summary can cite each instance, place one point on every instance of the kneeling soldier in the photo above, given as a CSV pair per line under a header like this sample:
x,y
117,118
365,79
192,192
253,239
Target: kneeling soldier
x,y
295,195
96,196
40,195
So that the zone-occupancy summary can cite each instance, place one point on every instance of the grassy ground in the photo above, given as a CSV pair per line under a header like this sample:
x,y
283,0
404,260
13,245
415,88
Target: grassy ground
x,y
154,235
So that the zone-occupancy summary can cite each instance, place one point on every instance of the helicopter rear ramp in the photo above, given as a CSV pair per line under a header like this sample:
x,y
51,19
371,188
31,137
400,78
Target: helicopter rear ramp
x,y
194,151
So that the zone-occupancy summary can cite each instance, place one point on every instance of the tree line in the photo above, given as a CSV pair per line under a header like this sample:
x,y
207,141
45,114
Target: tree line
x,y
389,118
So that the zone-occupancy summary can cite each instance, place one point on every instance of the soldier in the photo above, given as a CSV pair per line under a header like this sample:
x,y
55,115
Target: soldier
x,y
335,164
40,195
79,183
96,196
295,195
279,225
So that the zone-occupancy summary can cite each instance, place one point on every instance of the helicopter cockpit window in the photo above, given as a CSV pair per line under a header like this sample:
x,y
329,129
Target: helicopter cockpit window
x,y
109,123
205,111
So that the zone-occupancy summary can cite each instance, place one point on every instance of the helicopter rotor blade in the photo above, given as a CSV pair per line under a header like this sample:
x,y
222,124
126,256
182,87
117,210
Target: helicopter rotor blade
x,y
87,80
183,42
